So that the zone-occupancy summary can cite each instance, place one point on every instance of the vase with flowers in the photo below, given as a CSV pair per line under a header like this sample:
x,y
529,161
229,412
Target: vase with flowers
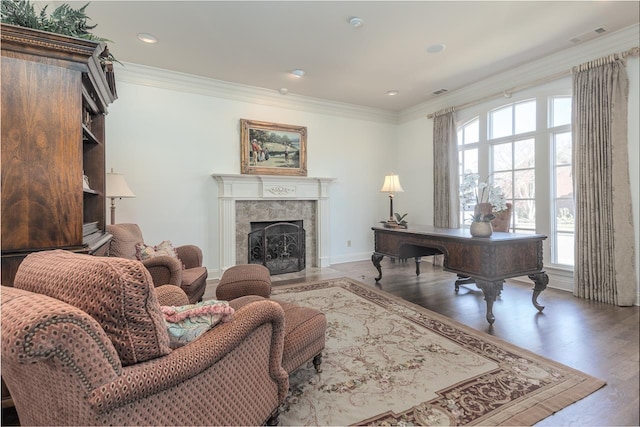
x,y
487,200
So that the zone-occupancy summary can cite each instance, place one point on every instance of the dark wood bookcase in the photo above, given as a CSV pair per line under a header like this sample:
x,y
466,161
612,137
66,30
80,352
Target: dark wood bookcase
x,y
55,95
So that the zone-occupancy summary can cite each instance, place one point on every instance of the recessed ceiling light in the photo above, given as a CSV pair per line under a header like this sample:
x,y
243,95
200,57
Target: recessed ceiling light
x,y
392,92
283,91
436,48
298,73
147,38
356,22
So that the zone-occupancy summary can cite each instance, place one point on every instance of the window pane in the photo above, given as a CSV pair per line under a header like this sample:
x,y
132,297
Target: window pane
x,y
561,111
524,185
470,161
525,117
503,180
501,122
525,214
564,182
502,157
562,148
460,138
472,132
525,153
564,248
565,218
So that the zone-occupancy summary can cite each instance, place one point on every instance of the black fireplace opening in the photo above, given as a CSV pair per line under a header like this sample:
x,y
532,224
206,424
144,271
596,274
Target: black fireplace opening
x,y
279,246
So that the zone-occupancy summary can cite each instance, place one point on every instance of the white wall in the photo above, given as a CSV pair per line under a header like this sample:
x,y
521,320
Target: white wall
x,y
168,142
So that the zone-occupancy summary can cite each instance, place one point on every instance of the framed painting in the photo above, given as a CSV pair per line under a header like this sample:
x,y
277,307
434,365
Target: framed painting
x,y
272,148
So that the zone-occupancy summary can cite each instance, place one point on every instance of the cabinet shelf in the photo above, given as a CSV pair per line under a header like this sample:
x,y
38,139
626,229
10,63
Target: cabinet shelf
x,y
88,136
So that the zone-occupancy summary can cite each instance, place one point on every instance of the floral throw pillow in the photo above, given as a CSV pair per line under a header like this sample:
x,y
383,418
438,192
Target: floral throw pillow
x,y
165,248
188,322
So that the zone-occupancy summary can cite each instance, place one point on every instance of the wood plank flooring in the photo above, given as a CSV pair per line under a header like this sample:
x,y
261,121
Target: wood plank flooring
x,y
599,339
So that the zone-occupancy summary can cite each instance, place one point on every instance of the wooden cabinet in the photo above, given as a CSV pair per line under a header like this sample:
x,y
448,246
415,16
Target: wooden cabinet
x,y
54,101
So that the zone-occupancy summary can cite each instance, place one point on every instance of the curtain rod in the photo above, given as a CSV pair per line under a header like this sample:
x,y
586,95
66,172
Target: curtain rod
x,y
634,51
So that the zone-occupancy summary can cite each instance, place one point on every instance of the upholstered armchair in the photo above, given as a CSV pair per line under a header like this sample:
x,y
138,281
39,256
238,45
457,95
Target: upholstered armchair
x,y
185,270
84,343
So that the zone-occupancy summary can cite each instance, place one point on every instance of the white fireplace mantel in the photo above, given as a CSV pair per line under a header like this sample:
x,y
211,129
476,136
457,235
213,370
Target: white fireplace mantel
x,y
232,188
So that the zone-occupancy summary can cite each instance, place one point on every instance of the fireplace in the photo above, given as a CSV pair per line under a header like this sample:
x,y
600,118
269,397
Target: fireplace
x,y
243,199
278,245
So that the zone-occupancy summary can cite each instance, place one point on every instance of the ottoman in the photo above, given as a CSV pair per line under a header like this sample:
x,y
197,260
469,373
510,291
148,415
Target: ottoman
x,y
305,327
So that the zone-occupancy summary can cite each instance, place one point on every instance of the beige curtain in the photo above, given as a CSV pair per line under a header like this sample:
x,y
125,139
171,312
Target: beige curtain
x,y
604,236
445,172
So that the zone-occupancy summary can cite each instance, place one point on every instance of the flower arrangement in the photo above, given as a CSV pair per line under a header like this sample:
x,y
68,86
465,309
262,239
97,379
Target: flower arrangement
x,y
474,192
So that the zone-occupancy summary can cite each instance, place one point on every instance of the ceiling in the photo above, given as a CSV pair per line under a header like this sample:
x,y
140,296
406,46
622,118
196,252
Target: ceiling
x,y
257,43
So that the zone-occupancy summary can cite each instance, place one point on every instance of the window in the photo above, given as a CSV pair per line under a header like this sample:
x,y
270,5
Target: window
x,y
525,148
563,207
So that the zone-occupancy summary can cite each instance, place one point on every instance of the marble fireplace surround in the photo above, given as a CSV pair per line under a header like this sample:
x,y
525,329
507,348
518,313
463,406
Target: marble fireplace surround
x,y
242,196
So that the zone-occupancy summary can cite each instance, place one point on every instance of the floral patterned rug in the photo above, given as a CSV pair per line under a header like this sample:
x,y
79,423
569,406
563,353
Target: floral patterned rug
x,y
390,362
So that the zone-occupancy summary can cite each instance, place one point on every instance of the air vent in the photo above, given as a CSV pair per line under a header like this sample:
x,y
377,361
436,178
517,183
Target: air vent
x,y
589,35
440,91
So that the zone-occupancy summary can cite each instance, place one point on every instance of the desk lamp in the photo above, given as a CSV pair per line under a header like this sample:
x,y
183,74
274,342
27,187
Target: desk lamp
x,y
391,185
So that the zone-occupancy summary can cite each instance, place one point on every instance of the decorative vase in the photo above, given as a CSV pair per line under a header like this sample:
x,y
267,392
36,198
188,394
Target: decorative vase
x,y
481,229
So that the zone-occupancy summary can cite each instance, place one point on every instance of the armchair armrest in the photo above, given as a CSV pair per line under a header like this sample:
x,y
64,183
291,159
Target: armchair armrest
x,y
258,325
164,270
171,295
36,327
190,255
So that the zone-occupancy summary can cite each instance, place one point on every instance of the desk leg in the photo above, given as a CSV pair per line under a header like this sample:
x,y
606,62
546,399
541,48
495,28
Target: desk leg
x,y
491,290
541,280
375,259
418,261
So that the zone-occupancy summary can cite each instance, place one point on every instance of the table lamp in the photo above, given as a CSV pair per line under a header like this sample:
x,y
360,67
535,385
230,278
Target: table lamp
x,y
117,188
391,185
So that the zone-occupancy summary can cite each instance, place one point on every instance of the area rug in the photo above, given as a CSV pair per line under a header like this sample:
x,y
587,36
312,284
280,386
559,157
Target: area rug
x,y
390,362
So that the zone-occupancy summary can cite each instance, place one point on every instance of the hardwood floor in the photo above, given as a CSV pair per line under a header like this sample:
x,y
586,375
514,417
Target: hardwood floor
x,y
599,339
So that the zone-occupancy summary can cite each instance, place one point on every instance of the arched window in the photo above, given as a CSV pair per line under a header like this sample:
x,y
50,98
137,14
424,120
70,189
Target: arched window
x,y
524,146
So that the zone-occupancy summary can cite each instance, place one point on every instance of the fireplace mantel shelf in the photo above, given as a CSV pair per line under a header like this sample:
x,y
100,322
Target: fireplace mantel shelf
x,y
256,187
235,187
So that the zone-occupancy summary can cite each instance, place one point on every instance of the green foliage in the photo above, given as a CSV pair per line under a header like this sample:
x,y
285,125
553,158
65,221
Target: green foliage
x,y
63,20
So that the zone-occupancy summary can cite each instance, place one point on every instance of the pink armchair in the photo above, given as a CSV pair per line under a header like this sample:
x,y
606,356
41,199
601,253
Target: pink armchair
x,y
84,343
185,271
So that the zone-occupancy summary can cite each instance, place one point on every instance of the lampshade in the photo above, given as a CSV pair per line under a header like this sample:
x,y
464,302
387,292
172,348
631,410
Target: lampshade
x,y
117,187
391,184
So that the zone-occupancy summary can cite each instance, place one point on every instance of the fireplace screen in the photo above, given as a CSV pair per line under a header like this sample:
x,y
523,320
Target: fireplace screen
x,y
278,246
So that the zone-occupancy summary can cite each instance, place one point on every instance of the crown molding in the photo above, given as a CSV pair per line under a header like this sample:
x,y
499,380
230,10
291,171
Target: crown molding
x,y
182,82
549,65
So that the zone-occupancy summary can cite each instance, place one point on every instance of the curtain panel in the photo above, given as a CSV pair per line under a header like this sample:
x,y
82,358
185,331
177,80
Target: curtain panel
x,y
445,170
604,236
445,173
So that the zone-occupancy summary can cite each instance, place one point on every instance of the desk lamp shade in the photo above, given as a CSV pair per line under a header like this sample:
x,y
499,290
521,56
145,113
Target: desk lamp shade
x,y
117,188
391,185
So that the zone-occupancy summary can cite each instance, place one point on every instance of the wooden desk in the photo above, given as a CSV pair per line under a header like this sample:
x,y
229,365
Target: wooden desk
x,y
487,261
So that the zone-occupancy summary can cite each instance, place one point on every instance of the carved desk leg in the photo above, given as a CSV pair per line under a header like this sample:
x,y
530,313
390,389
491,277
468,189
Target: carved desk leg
x,y
375,259
418,261
491,290
541,280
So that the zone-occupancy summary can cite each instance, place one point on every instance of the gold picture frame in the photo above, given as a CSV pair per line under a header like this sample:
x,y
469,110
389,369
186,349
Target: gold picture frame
x,y
272,148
